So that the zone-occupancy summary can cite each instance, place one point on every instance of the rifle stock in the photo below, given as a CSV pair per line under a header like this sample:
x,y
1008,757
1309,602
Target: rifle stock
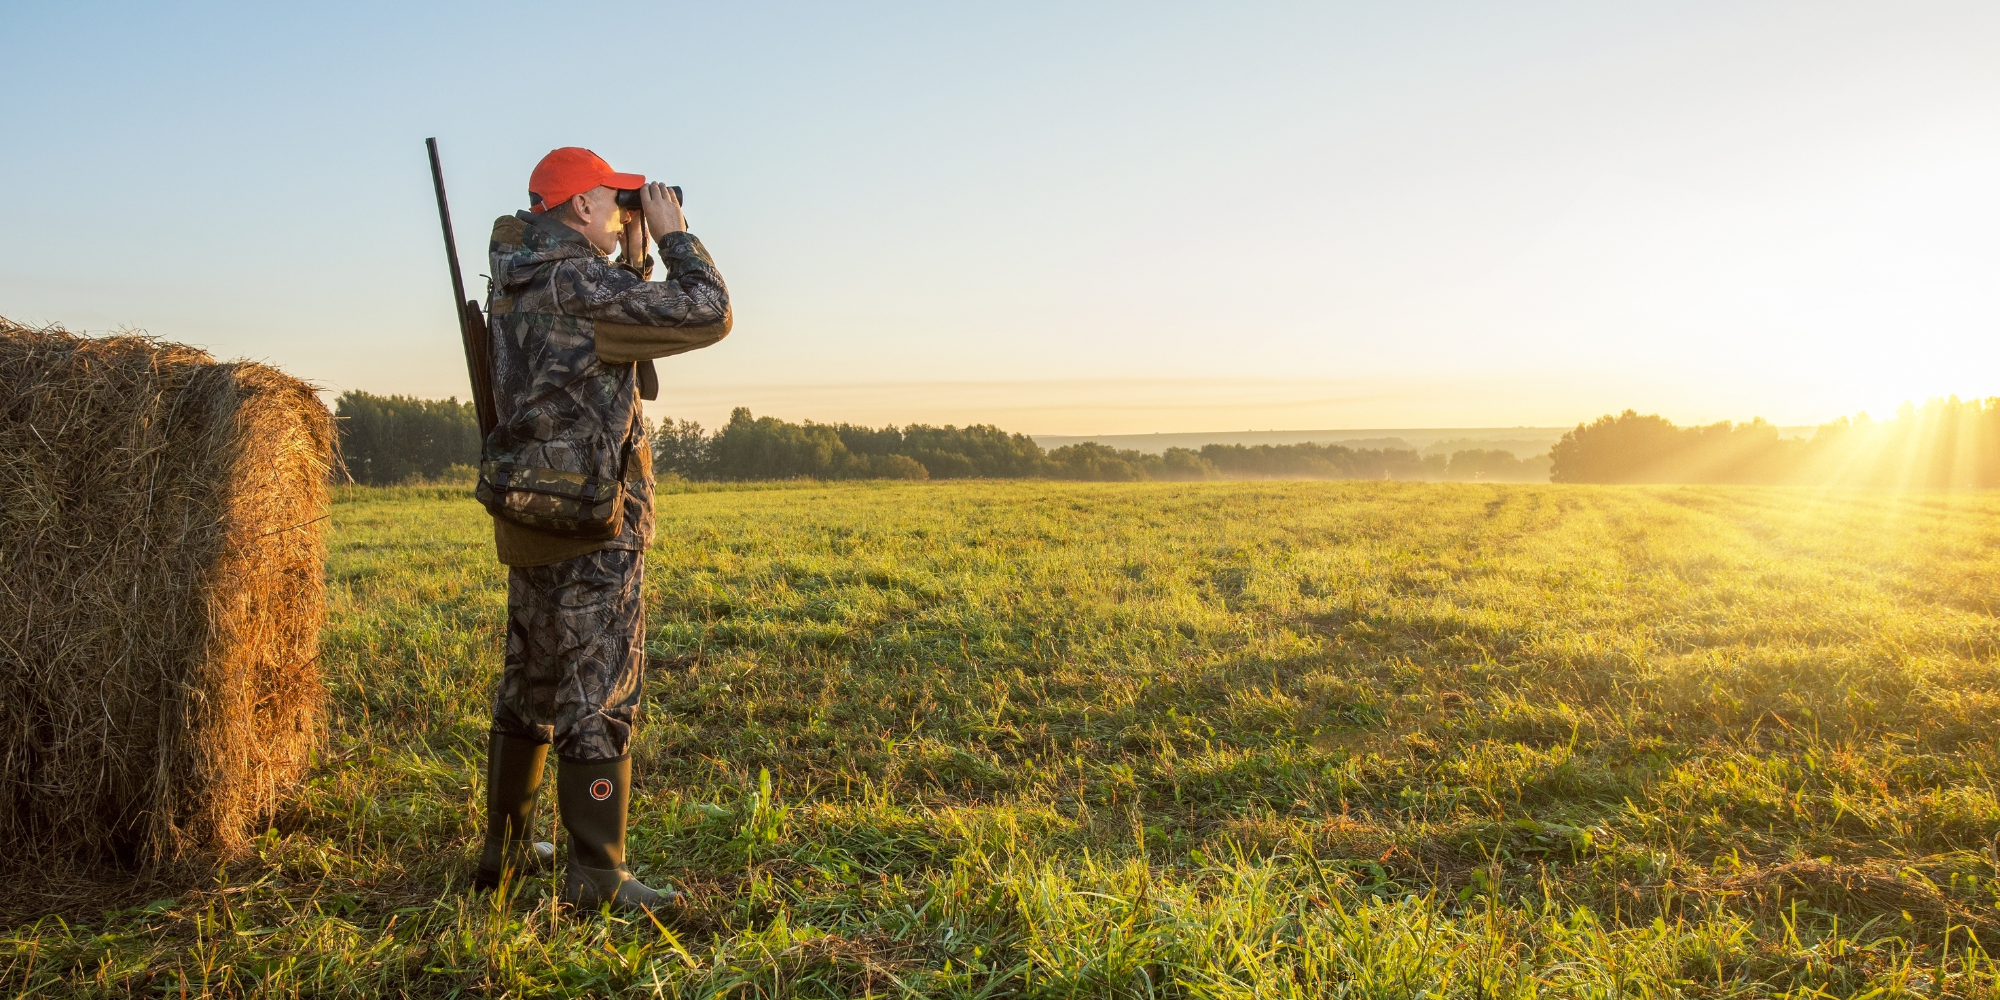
x,y
471,321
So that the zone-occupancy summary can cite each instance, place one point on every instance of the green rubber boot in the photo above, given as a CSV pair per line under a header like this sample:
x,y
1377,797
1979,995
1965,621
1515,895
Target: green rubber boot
x,y
513,777
593,798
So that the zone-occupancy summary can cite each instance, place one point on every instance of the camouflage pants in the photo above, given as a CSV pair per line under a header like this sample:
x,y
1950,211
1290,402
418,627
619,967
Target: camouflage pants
x,y
576,652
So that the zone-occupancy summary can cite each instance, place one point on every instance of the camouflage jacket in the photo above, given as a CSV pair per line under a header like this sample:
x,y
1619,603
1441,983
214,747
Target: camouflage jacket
x,y
567,326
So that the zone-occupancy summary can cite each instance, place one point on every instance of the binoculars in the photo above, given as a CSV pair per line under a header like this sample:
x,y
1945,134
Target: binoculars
x,y
630,199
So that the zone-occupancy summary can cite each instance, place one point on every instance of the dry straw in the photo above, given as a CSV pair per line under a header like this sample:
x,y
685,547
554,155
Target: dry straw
x,y
161,594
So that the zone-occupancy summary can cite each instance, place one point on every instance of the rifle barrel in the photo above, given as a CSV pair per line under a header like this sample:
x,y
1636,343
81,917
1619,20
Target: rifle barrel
x,y
450,242
471,325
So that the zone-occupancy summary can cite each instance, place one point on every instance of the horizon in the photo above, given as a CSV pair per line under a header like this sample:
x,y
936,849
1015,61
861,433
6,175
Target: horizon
x,y
1042,219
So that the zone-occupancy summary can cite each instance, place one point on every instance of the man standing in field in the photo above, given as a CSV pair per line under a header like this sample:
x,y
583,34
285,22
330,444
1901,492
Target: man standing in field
x,y
573,339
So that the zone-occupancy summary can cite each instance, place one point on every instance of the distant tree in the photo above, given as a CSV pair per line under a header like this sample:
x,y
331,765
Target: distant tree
x,y
1321,461
751,447
1627,448
396,439
944,464
1630,448
976,450
896,467
1186,464
682,448
1944,443
868,441
1088,460
1496,466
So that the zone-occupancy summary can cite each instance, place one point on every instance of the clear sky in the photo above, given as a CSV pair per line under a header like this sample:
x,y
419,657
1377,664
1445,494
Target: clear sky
x,y
1065,218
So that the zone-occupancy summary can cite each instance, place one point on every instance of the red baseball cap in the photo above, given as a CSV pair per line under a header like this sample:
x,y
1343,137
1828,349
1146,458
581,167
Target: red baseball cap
x,y
570,171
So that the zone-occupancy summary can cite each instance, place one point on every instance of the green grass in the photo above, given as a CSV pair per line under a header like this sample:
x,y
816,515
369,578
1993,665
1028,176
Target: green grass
x,y
1038,739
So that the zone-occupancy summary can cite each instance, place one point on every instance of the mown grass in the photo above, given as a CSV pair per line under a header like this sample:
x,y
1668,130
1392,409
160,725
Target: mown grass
x,y
1038,739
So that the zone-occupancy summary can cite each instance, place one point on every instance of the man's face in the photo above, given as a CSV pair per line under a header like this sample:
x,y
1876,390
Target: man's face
x,y
598,218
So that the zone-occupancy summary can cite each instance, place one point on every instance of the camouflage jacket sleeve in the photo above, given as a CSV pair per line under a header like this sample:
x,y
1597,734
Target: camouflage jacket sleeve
x,y
637,320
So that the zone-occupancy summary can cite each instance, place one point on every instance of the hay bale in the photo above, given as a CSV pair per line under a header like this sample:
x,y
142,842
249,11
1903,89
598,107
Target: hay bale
x,y
161,594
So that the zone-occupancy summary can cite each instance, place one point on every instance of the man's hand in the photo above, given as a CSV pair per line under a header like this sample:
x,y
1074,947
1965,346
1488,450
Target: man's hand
x,y
663,213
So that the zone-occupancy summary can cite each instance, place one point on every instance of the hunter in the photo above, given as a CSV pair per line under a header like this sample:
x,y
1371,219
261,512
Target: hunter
x,y
573,337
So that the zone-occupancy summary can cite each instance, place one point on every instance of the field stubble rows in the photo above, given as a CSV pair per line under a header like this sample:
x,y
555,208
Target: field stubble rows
x,y
1298,739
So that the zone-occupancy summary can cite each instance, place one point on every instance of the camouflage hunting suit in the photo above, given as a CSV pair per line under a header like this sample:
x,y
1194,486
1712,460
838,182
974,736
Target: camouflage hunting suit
x,y
568,327
576,651
561,404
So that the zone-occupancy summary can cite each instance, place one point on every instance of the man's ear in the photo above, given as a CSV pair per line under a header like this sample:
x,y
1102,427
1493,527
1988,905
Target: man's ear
x,y
579,209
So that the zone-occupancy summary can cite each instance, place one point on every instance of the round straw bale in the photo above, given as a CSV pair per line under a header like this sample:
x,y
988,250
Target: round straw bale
x,y
162,588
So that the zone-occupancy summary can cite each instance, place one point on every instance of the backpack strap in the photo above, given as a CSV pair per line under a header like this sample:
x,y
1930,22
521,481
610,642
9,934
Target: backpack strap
x,y
649,380
625,456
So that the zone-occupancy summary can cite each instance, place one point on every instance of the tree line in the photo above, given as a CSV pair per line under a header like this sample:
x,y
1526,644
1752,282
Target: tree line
x,y
397,439
750,447
1944,443
400,439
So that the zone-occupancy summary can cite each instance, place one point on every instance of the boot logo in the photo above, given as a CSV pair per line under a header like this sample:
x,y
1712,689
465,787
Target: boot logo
x,y
600,789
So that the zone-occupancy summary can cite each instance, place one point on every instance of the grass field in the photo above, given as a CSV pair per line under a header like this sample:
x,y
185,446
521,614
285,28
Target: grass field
x,y
1036,739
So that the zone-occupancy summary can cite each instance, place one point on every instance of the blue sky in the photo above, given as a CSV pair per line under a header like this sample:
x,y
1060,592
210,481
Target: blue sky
x,y
1066,218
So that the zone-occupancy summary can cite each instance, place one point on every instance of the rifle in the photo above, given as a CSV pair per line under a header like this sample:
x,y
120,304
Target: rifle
x,y
471,321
